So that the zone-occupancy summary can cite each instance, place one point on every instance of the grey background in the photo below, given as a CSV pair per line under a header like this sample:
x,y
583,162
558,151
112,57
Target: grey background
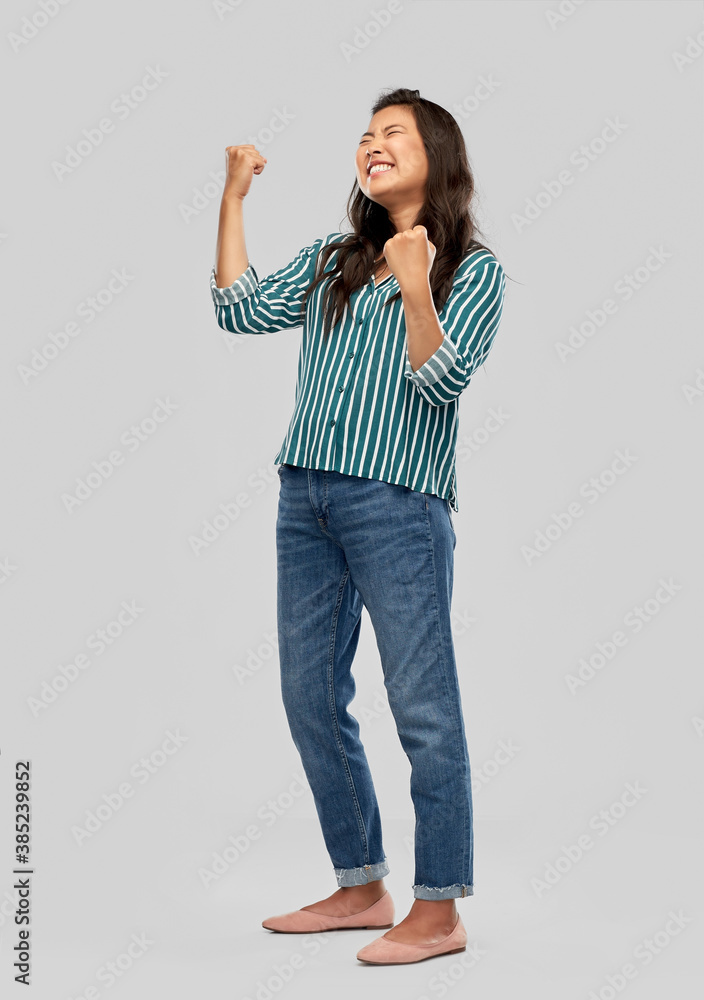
x,y
141,201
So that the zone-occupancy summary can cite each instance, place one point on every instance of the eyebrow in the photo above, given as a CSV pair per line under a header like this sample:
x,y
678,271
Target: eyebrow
x,y
385,129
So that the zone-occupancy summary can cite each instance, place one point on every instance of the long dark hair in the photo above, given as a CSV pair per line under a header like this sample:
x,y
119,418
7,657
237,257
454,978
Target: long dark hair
x,y
446,214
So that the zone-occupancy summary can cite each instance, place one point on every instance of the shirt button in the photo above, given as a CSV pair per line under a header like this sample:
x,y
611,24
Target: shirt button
x,y
359,322
340,387
351,354
332,421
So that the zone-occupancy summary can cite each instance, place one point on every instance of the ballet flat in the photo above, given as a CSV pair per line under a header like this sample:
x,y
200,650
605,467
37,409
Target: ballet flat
x,y
384,951
380,914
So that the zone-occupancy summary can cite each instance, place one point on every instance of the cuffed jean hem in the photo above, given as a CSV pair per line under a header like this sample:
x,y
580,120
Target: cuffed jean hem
x,y
446,892
360,876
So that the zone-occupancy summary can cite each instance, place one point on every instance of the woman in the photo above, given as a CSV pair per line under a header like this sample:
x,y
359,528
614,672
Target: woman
x,y
394,326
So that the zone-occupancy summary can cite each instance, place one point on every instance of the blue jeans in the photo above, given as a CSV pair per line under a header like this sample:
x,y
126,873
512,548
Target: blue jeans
x,y
344,542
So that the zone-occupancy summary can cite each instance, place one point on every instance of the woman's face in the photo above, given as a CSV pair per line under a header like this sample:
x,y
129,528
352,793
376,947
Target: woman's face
x,y
393,138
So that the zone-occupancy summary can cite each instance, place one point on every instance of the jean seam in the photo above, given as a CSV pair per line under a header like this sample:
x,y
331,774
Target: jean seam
x,y
333,712
434,595
448,694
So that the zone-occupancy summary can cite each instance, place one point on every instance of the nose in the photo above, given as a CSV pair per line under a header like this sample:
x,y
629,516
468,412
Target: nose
x,y
369,152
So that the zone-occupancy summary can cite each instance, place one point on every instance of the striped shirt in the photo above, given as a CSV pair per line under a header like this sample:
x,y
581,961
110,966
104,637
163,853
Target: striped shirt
x,y
360,409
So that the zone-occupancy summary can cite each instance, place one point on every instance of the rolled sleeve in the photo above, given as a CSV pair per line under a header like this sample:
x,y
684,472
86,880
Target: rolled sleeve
x,y
251,305
437,366
238,290
469,320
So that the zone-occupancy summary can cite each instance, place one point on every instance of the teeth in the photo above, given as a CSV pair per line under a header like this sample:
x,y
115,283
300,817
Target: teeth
x,y
380,166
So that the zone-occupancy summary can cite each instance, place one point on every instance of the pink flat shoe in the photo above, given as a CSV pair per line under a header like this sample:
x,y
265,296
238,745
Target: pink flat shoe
x,y
378,915
384,951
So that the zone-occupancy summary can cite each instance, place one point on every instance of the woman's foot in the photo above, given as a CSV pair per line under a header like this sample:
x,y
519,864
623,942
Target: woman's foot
x,y
349,899
354,907
427,923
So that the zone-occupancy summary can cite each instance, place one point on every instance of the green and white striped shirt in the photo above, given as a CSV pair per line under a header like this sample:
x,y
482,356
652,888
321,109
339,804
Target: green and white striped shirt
x,y
360,408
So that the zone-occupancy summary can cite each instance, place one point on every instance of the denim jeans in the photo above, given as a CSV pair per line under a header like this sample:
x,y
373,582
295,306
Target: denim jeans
x,y
344,542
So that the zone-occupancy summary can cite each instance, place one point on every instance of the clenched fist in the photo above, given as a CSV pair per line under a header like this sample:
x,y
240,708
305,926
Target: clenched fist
x,y
242,163
410,255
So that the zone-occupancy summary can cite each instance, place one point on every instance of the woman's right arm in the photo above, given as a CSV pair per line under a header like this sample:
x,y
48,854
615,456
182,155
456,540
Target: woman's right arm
x,y
243,303
231,259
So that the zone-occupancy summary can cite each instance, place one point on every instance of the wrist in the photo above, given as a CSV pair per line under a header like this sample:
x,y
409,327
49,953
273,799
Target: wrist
x,y
416,291
231,197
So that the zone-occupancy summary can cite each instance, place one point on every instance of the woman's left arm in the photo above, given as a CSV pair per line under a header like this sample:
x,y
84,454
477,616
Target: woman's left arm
x,y
443,352
467,325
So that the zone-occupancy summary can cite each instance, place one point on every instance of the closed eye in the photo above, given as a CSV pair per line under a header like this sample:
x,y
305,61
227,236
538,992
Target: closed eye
x,y
388,133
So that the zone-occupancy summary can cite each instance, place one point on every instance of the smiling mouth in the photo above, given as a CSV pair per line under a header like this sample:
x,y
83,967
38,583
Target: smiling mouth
x,y
384,170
